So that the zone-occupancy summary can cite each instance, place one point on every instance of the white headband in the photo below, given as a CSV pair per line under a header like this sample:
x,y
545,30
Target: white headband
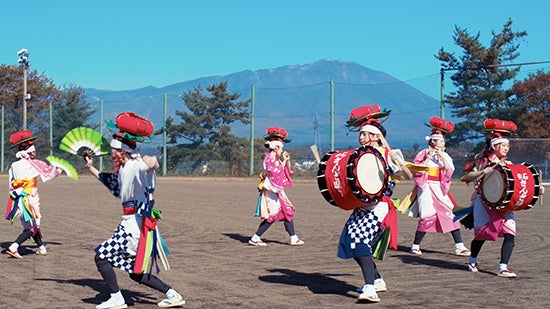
x,y
273,144
371,129
434,136
25,153
115,143
498,140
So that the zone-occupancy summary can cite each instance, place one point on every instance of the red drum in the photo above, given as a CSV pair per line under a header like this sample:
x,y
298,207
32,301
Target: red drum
x,y
134,124
511,187
353,178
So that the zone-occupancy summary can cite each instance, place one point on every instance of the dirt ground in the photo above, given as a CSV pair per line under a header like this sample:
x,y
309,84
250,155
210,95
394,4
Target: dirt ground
x,y
207,223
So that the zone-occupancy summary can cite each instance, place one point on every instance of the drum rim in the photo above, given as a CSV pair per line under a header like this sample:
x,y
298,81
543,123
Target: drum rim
x,y
507,195
353,182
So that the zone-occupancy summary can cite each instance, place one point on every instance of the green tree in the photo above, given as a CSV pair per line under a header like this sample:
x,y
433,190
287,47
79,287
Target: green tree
x,y
206,127
72,111
480,75
43,93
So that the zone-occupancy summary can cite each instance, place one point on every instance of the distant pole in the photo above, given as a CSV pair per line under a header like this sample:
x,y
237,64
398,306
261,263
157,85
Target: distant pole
x,y
164,136
101,130
24,61
442,95
24,98
51,129
251,131
331,114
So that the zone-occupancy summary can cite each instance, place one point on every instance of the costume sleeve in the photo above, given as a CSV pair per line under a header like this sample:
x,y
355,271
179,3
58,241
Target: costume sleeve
x,y
110,180
277,174
420,179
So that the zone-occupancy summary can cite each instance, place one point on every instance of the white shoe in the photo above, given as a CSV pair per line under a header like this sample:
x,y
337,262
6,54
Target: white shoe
x,y
380,285
172,299
42,251
462,251
258,243
369,294
115,302
506,273
415,251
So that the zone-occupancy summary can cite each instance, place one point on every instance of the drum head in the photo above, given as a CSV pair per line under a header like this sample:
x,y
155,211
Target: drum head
x,y
493,186
370,173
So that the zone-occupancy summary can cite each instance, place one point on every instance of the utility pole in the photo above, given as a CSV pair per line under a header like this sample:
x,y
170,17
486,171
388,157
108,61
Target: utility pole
x,y
24,62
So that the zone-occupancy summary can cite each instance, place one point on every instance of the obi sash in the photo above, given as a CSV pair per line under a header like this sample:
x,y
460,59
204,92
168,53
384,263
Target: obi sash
x,y
433,174
18,201
151,246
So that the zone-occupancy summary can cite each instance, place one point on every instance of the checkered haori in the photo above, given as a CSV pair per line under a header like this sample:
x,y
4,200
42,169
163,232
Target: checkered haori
x,y
362,231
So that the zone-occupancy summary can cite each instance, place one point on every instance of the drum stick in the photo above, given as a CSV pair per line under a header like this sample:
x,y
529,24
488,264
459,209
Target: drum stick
x,y
315,153
385,142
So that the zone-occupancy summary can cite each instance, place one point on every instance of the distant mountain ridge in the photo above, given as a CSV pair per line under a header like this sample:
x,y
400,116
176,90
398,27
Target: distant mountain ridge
x,y
296,97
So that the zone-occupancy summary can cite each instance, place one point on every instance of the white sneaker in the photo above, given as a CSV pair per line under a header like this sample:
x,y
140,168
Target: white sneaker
x,y
462,251
380,285
42,250
258,243
115,302
369,294
172,299
506,273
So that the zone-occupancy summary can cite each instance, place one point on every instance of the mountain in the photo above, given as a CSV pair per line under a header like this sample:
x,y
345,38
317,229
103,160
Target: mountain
x,y
296,97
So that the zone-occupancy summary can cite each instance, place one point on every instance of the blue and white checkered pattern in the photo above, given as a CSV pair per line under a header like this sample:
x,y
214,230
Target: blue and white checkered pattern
x,y
115,250
363,227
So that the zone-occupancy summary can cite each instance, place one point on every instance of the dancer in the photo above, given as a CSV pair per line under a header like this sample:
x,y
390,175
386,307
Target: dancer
x,y
489,223
134,183
24,200
275,205
434,203
366,224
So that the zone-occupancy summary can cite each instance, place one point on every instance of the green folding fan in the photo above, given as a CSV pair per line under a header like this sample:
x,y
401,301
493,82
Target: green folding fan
x,y
63,165
80,139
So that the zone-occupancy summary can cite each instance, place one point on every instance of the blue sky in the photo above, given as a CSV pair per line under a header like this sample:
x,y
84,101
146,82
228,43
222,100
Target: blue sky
x,y
121,45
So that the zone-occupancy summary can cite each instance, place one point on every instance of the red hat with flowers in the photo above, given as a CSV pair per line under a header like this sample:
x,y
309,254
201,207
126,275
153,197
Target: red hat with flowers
x,y
440,127
21,138
500,129
131,127
276,134
361,115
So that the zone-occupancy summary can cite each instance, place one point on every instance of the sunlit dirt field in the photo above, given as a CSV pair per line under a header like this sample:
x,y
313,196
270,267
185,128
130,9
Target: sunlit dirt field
x,y
207,223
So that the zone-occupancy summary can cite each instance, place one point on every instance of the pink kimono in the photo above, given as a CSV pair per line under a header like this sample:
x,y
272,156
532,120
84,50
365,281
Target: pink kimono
x,y
275,205
434,204
490,223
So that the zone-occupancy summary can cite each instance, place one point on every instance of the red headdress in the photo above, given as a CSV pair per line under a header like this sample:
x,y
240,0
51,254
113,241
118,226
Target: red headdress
x,y
131,127
367,114
22,138
276,134
500,129
440,127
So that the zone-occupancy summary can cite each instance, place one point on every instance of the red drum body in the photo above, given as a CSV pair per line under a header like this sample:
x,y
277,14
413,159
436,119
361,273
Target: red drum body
x,y
511,187
353,178
134,124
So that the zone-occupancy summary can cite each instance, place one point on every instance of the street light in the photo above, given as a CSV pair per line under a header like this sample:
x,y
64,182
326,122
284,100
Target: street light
x,y
24,62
